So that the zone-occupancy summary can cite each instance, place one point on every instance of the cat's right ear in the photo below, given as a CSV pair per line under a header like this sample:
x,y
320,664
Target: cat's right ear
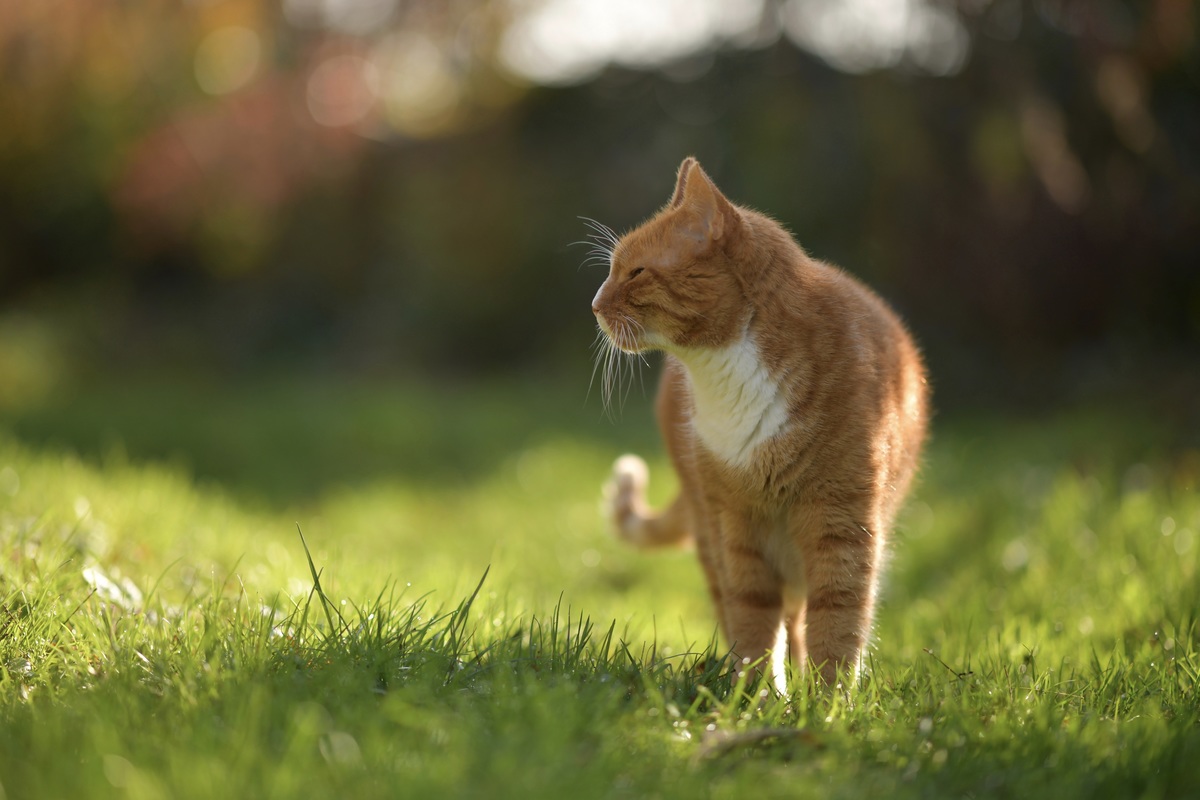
x,y
681,181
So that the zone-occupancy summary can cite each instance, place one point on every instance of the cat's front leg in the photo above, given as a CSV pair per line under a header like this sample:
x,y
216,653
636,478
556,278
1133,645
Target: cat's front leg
x,y
841,564
752,600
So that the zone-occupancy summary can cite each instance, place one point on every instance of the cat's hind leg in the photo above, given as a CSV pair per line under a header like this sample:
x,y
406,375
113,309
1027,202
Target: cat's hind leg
x,y
794,624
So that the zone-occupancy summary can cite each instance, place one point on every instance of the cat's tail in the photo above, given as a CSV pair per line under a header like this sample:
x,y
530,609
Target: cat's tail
x,y
635,522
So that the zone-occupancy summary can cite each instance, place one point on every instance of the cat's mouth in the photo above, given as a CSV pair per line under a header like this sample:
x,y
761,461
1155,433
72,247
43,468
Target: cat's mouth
x,y
626,336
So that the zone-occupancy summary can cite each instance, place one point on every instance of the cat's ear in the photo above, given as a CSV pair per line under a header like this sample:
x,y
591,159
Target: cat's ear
x,y
714,215
681,179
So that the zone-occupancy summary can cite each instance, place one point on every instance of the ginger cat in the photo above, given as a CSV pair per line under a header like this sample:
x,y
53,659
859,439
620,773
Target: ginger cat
x,y
793,405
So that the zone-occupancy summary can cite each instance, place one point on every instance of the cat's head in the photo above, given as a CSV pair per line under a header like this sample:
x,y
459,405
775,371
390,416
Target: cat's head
x,y
674,281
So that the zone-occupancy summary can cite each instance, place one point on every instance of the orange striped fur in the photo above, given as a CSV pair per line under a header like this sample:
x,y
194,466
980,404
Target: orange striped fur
x,y
793,405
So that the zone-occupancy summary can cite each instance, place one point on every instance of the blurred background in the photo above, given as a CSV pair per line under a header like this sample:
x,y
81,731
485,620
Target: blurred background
x,y
392,188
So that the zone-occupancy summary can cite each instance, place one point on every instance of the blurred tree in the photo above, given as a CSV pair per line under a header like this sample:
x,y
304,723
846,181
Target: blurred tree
x,y
384,183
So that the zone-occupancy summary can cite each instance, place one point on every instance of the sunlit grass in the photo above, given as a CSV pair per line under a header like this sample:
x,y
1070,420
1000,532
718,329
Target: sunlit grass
x,y
467,627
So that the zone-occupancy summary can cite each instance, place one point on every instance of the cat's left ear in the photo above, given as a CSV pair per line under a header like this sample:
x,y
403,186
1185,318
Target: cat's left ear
x,y
715,216
681,179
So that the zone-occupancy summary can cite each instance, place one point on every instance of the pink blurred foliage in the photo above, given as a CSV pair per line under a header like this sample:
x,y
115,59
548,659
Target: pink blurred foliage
x,y
255,147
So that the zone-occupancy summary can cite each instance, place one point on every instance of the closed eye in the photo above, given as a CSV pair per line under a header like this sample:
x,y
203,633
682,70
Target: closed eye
x,y
633,273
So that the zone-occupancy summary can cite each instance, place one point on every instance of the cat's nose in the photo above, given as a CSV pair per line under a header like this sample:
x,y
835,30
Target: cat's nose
x,y
596,300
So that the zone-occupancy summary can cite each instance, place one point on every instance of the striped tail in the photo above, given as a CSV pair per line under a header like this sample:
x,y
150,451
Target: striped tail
x,y
633,519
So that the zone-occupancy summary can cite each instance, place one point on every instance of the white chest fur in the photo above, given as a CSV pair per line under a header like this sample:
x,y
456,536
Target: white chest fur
x,y
738,403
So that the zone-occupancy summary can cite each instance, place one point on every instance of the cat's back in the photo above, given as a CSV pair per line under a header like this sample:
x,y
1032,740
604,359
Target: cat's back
x,y
853,374
813,315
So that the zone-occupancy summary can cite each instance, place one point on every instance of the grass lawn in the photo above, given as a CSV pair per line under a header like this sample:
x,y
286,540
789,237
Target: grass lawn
x,y
457,622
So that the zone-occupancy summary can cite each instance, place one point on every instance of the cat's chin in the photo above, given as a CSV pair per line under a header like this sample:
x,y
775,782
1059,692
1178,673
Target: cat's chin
x,y
642,346
630,342
630,348
650,342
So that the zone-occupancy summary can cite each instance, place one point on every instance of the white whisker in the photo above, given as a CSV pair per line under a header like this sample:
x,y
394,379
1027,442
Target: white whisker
x,y
601,241
601,231
598,347
616,354
594,261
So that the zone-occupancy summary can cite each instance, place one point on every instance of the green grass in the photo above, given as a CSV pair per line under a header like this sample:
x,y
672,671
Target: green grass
x,y
466,626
